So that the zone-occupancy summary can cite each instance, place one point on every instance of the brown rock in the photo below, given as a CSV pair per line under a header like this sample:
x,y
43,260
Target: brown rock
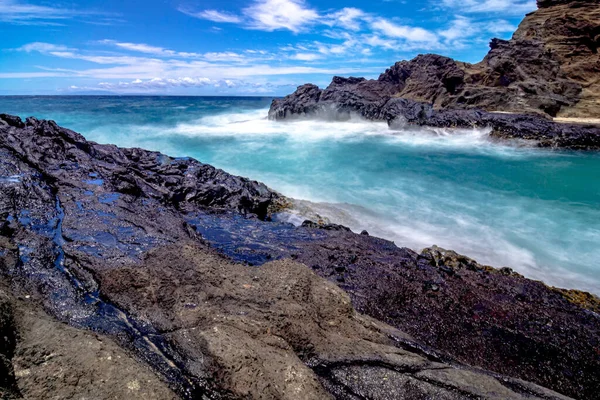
x,y
50,360
281,332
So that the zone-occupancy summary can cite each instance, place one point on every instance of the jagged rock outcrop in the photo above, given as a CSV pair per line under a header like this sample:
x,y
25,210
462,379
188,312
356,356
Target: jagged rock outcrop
x,y
155,253
551,67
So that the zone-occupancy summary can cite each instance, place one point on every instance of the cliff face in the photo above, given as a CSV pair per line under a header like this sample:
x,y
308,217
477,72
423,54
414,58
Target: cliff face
x,y
550,67
570,31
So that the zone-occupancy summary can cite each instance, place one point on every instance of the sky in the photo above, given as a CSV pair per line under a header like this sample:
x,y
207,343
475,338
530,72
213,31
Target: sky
x,y
216,47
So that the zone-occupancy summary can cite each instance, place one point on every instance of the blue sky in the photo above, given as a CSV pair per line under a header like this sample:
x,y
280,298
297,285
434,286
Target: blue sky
x,y
210,47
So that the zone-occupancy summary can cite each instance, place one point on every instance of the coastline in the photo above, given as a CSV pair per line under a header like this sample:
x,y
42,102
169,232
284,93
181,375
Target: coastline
x,y
428,233
123,206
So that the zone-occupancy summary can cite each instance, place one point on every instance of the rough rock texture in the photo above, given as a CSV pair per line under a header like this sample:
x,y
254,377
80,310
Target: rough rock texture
x,y
50,360
281,332
570,31
550,67
8,337
125,243
474,313
342,103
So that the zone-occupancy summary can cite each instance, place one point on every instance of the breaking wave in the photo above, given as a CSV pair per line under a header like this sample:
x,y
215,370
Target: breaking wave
x,y
536,211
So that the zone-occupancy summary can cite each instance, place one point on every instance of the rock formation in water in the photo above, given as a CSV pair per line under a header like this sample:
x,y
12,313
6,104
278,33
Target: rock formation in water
x,y
130,274
551,67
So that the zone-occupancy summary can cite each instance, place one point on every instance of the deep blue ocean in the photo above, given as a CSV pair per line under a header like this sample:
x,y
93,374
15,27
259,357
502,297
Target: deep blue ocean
x,y
536,211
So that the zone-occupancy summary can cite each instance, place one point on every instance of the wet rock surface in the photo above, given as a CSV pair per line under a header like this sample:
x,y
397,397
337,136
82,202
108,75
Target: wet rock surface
x,y
551,67
178,264
52,360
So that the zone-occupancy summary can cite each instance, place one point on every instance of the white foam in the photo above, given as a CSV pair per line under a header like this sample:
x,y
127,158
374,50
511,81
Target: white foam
x,y
253,125
306,160
485,244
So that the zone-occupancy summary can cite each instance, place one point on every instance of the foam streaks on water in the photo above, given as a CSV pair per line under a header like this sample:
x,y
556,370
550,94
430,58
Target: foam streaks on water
x,y
535,210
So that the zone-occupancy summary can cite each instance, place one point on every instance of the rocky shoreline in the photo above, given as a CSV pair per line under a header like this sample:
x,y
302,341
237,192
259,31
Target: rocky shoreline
x,y
177,282
550,68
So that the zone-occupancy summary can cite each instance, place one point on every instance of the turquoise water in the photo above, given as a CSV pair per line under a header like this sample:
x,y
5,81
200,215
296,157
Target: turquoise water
x,y
536,211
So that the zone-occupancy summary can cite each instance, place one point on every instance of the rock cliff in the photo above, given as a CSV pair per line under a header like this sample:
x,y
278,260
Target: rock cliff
x,y
550,68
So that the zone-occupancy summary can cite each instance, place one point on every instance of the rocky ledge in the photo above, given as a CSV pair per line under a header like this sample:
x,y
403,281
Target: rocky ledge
x,y
126,273
550,68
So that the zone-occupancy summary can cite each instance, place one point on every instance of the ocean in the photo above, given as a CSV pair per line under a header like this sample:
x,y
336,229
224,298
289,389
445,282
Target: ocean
x,y
534,210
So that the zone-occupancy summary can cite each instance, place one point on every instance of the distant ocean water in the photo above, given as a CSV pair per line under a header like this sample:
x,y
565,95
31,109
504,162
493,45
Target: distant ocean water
x,y
536,211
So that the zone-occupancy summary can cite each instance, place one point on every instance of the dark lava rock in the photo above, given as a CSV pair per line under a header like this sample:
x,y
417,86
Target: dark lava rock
x,y
135,172
327,227
124,243
551,67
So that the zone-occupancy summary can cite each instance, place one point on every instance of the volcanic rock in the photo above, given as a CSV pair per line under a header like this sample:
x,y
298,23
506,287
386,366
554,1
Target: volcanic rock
x,y
179,264
551,67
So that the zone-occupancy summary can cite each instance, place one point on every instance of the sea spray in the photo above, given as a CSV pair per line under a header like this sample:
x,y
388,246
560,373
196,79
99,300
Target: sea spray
x,y
534,210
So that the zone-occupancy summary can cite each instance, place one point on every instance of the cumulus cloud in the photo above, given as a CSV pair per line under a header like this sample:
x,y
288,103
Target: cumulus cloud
x,y
270,15
409,33
348,18
344,41
168,53
265,15
500,26
158,83
360,32
461,27
216,66
16,12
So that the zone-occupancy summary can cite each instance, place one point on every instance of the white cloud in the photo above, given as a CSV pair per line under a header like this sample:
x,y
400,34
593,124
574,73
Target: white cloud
x,y
140,47
42,47
216,66
162,52
23,13
412,34
265,15
348,18
224,56
28,75
306,57
16,12
158,83
348,37
105,60
212,15
271,15
461,27
359,31
377,41
514,7
500,26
